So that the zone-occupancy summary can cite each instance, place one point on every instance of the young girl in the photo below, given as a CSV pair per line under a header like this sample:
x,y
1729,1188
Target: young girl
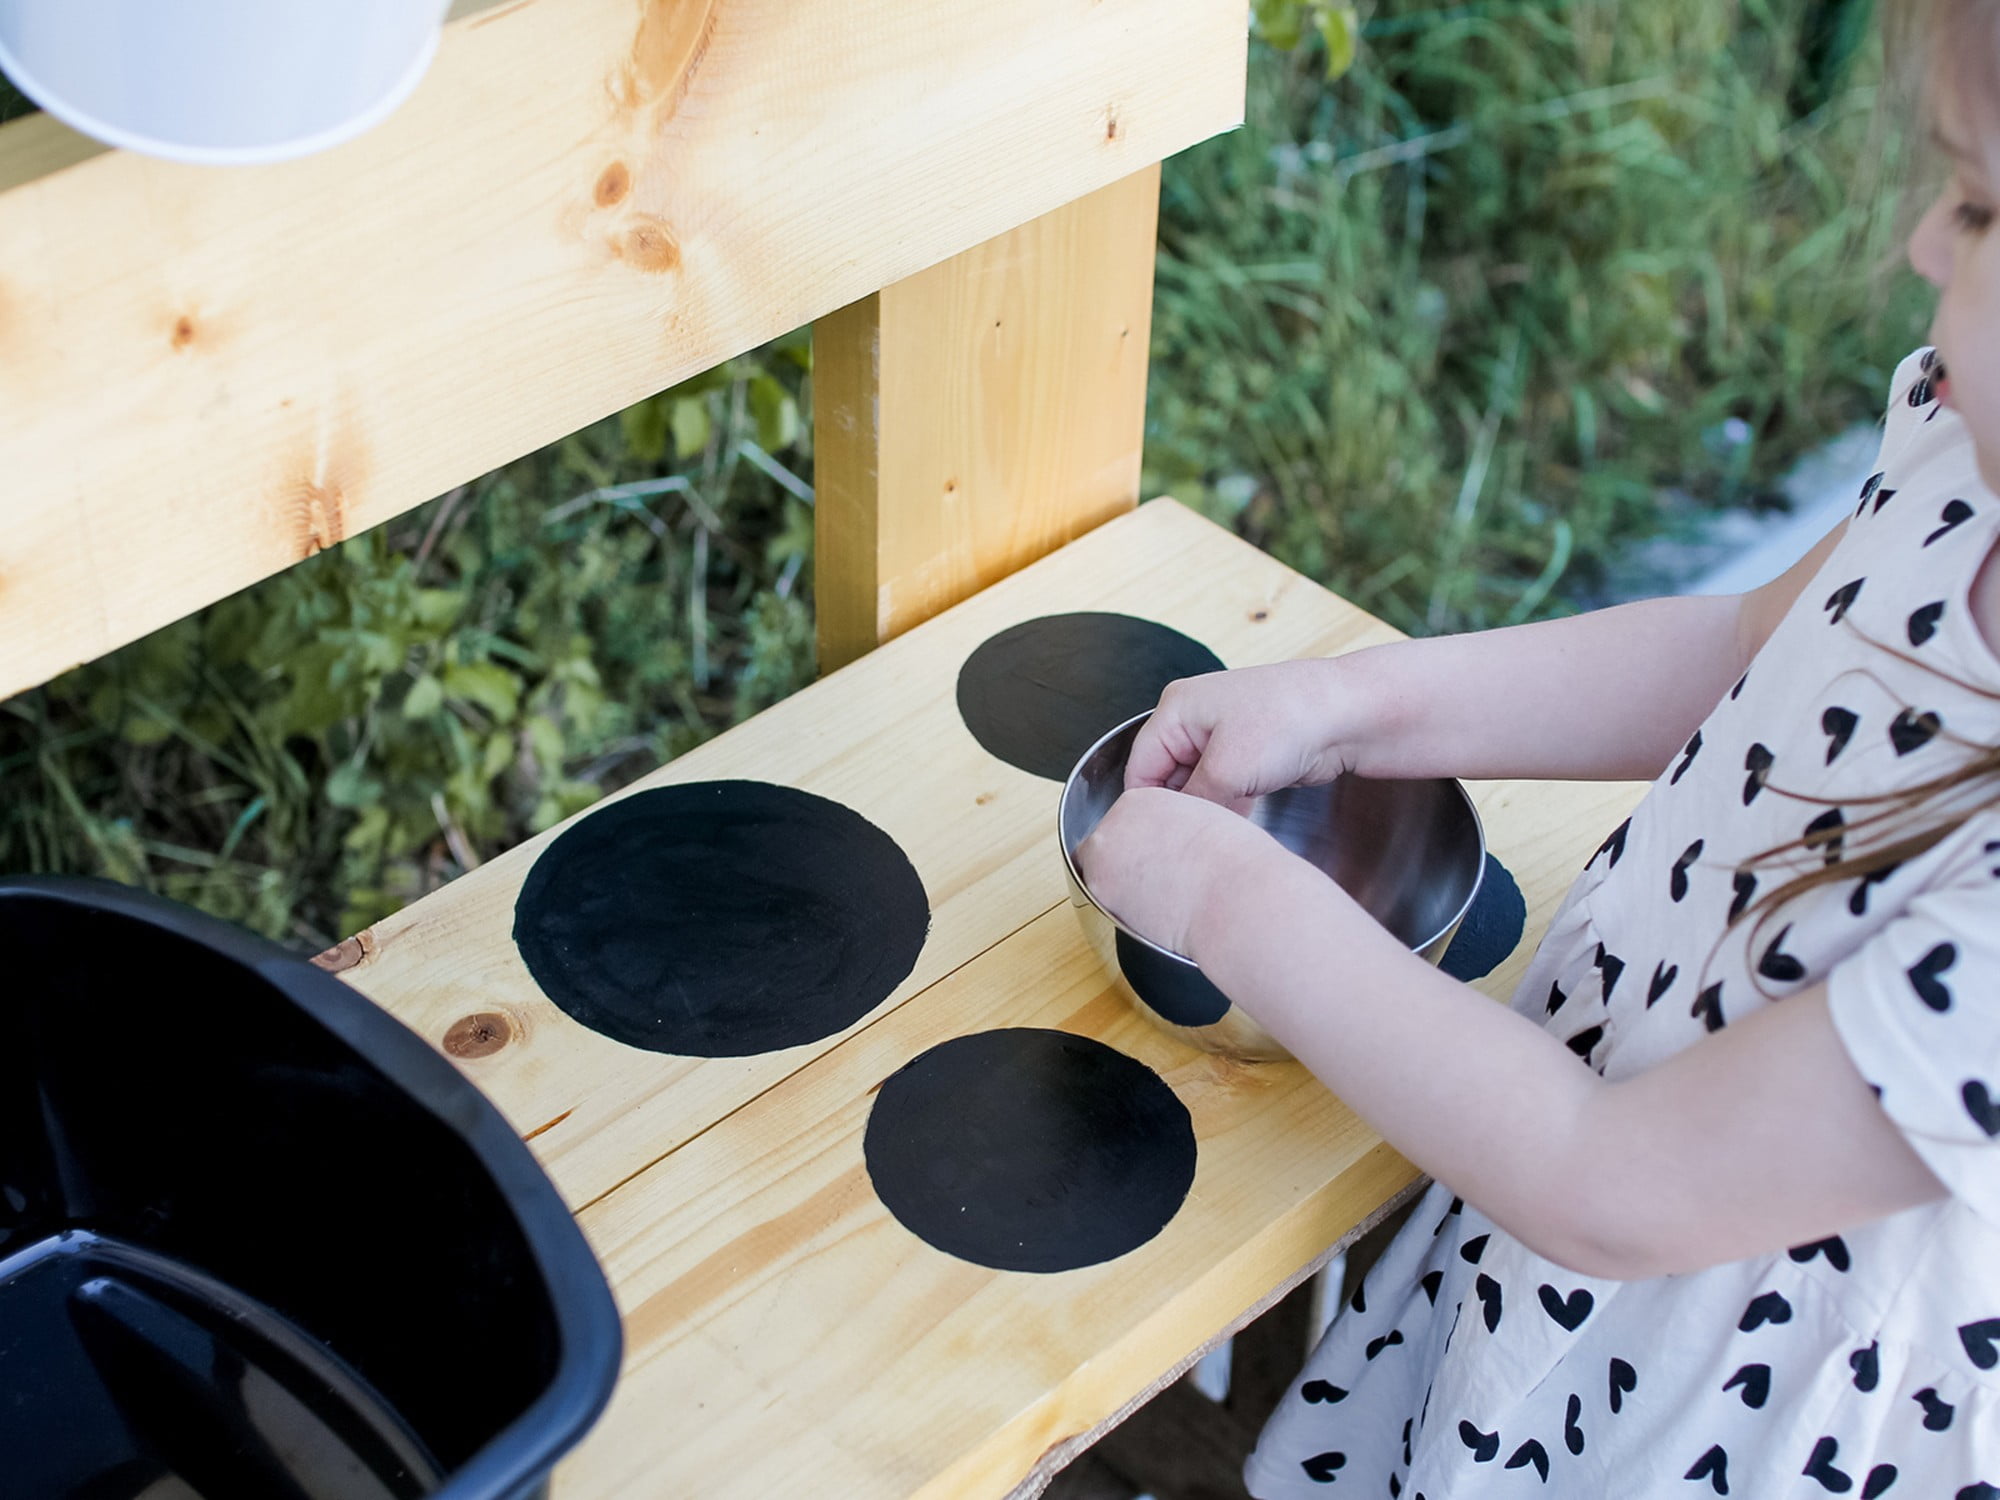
x,y
1717,1201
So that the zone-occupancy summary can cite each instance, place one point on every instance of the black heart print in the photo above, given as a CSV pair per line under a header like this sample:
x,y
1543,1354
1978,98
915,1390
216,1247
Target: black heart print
x,y
1611,966
1867,490
1766,1307
1573,1434
1834,1248
1924,622
1979,1340
1321,1392
1556,998
1737,691
1614,843
1714,1467
1981,1105
1531,1452
1756,1383
1473,1248
1431,1282
1488,1291
1878,1481
1745,885
1858,902
1912,731
1688,753
1979,1491
1867,1366
1321,1467
1938,1412
1825,833
1376,1346
1820,1467
1407,1424
1757,761
1586,1039
1485,1446
1708,1006
1955,514
1664,975
1624,1380
1923,976
1677,882
1396,1486
1838,726
1924,391
1841,600
1456,1205
1569,1311
1778,965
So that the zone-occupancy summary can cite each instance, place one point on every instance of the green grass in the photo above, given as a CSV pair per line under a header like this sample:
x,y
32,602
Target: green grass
x,y
1439,334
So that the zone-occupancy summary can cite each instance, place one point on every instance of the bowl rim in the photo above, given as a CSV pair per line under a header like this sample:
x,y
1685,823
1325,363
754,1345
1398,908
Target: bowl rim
x,y
1083,887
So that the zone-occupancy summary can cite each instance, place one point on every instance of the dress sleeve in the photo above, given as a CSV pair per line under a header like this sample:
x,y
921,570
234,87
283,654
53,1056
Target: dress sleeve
x,y
1918,1008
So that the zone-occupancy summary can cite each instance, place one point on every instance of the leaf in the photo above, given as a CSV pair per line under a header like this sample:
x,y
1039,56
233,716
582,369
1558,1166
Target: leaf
x,y
776,414
424,699
351,786
484,685
1340,28
644,428
692,425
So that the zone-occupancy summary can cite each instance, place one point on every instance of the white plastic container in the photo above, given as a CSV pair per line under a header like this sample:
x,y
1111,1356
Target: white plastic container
x,y
221,82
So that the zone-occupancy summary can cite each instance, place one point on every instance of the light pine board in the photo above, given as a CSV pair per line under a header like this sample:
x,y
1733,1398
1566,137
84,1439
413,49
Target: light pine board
x,y
783,1330
207,373
981,413
883,737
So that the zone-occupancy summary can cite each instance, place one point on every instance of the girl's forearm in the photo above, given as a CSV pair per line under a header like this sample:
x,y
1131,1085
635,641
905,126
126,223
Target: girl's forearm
x,y
1609,695
1472,1093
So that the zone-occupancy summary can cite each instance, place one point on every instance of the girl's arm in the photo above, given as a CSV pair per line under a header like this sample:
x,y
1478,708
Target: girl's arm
x,y
1610,694
1759,1137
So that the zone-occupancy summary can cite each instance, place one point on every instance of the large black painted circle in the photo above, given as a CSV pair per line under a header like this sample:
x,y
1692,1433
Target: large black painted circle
x,y
721,919
1492,929
1030,1150
1041,693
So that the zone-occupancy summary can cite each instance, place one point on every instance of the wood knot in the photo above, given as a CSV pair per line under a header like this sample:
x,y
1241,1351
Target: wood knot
x,y
1259,616
649,245
613,185
983,798
1111,122
183,332
346,954
478,1035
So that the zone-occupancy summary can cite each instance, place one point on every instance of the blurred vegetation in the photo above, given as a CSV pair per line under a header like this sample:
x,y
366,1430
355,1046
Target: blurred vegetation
x,y
1482,294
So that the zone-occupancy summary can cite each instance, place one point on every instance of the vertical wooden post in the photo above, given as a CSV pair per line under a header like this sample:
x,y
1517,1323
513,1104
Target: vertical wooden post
x,y
979,414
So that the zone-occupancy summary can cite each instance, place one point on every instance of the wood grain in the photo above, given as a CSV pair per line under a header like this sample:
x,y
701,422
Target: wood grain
x,y
207,374
980,414
782,1329
883,737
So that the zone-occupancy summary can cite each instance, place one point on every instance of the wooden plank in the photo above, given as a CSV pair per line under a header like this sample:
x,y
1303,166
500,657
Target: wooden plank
x,y
207,374
981,413
883,737
780,1325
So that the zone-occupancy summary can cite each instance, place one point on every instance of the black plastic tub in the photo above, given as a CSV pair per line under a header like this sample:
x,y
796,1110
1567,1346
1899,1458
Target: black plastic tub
x,y
257,1240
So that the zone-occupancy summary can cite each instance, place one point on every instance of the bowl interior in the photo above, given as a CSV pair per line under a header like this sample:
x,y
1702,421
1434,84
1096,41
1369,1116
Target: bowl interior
x,y
1410,852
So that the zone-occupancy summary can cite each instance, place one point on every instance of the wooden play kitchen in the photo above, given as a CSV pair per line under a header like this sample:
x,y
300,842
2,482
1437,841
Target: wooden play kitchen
x,y
208,374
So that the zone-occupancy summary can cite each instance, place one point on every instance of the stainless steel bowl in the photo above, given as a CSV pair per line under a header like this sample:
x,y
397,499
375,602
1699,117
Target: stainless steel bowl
x,y
1410,852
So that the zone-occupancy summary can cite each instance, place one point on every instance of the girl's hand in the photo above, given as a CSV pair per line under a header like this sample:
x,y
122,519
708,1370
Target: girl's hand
x,y
1231,736
1163,862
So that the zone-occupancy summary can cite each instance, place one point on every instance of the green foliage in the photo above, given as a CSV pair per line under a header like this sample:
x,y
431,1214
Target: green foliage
x,y
1439,335
322,749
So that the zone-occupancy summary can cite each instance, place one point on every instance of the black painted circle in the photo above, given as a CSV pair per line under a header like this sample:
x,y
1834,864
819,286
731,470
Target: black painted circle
x,y
1492,929
721,919
1042,692
1030,1150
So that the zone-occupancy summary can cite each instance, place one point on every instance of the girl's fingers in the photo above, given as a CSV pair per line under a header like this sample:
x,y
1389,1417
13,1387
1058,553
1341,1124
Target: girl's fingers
x,y
1156,759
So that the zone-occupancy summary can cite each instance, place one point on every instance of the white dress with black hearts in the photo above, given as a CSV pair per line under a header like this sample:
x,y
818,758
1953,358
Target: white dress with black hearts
x,y
1867,1364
